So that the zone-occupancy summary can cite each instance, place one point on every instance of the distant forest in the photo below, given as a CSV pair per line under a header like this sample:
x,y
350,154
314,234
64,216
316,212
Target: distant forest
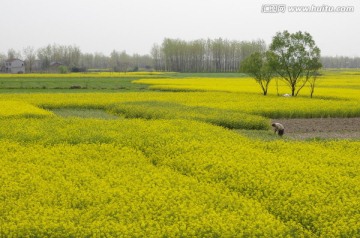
x,y
203,55
340,62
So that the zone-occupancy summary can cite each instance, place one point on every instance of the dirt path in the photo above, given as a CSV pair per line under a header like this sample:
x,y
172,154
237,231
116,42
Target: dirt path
x,y
321,128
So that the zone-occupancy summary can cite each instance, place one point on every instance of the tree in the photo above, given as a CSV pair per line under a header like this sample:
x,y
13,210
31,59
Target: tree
x,y
30,57
3,58
63,69
124,61
217,55
295,58
312,82
44,55
12,54
115,60
257,66
157,57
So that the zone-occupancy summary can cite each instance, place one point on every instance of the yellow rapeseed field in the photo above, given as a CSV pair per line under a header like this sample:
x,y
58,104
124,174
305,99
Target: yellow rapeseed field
x,y
87,177
170,165
344,85
21,109
249,103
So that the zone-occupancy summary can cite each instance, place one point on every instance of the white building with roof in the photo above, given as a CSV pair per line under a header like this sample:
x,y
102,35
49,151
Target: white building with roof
x,y
14,66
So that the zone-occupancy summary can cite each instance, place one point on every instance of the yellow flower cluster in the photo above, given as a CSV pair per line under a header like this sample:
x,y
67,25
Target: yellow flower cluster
x,y
244,85
171,178
339,85
178,174
160,110
21,109
270,106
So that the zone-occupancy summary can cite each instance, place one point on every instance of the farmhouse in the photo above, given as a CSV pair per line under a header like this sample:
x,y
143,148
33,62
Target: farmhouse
x,y
55,64
14,66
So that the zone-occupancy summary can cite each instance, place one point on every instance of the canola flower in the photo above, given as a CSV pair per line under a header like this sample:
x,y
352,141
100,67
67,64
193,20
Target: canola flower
x,y
170,167
135,177
21,109
338,85
109,190
165,110
338,96
247,103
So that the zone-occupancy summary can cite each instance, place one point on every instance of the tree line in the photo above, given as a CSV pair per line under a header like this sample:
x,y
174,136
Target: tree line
x,y
51,57
202,55
340,62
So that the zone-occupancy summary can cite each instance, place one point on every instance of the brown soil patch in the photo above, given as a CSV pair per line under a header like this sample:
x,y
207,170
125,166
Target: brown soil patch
x,y
341,128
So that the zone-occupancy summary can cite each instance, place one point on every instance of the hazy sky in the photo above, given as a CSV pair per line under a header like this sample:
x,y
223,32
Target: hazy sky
x,y
135,25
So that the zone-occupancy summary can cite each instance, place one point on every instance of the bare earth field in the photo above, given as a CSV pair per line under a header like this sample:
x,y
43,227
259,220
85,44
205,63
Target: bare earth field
x,y
342,128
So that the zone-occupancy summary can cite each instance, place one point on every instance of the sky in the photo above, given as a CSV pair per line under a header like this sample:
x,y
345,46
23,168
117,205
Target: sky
x,y
135,25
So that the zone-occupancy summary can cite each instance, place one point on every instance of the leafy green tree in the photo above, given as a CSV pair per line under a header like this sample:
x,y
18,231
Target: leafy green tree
x,y
257,66
63,69
295,58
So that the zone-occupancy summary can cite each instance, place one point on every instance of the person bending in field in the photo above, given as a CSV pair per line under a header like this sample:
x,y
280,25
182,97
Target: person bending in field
x,y
279,128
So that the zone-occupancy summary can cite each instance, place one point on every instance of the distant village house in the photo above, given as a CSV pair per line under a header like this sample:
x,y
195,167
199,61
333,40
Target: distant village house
x,y
55,64
14,66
